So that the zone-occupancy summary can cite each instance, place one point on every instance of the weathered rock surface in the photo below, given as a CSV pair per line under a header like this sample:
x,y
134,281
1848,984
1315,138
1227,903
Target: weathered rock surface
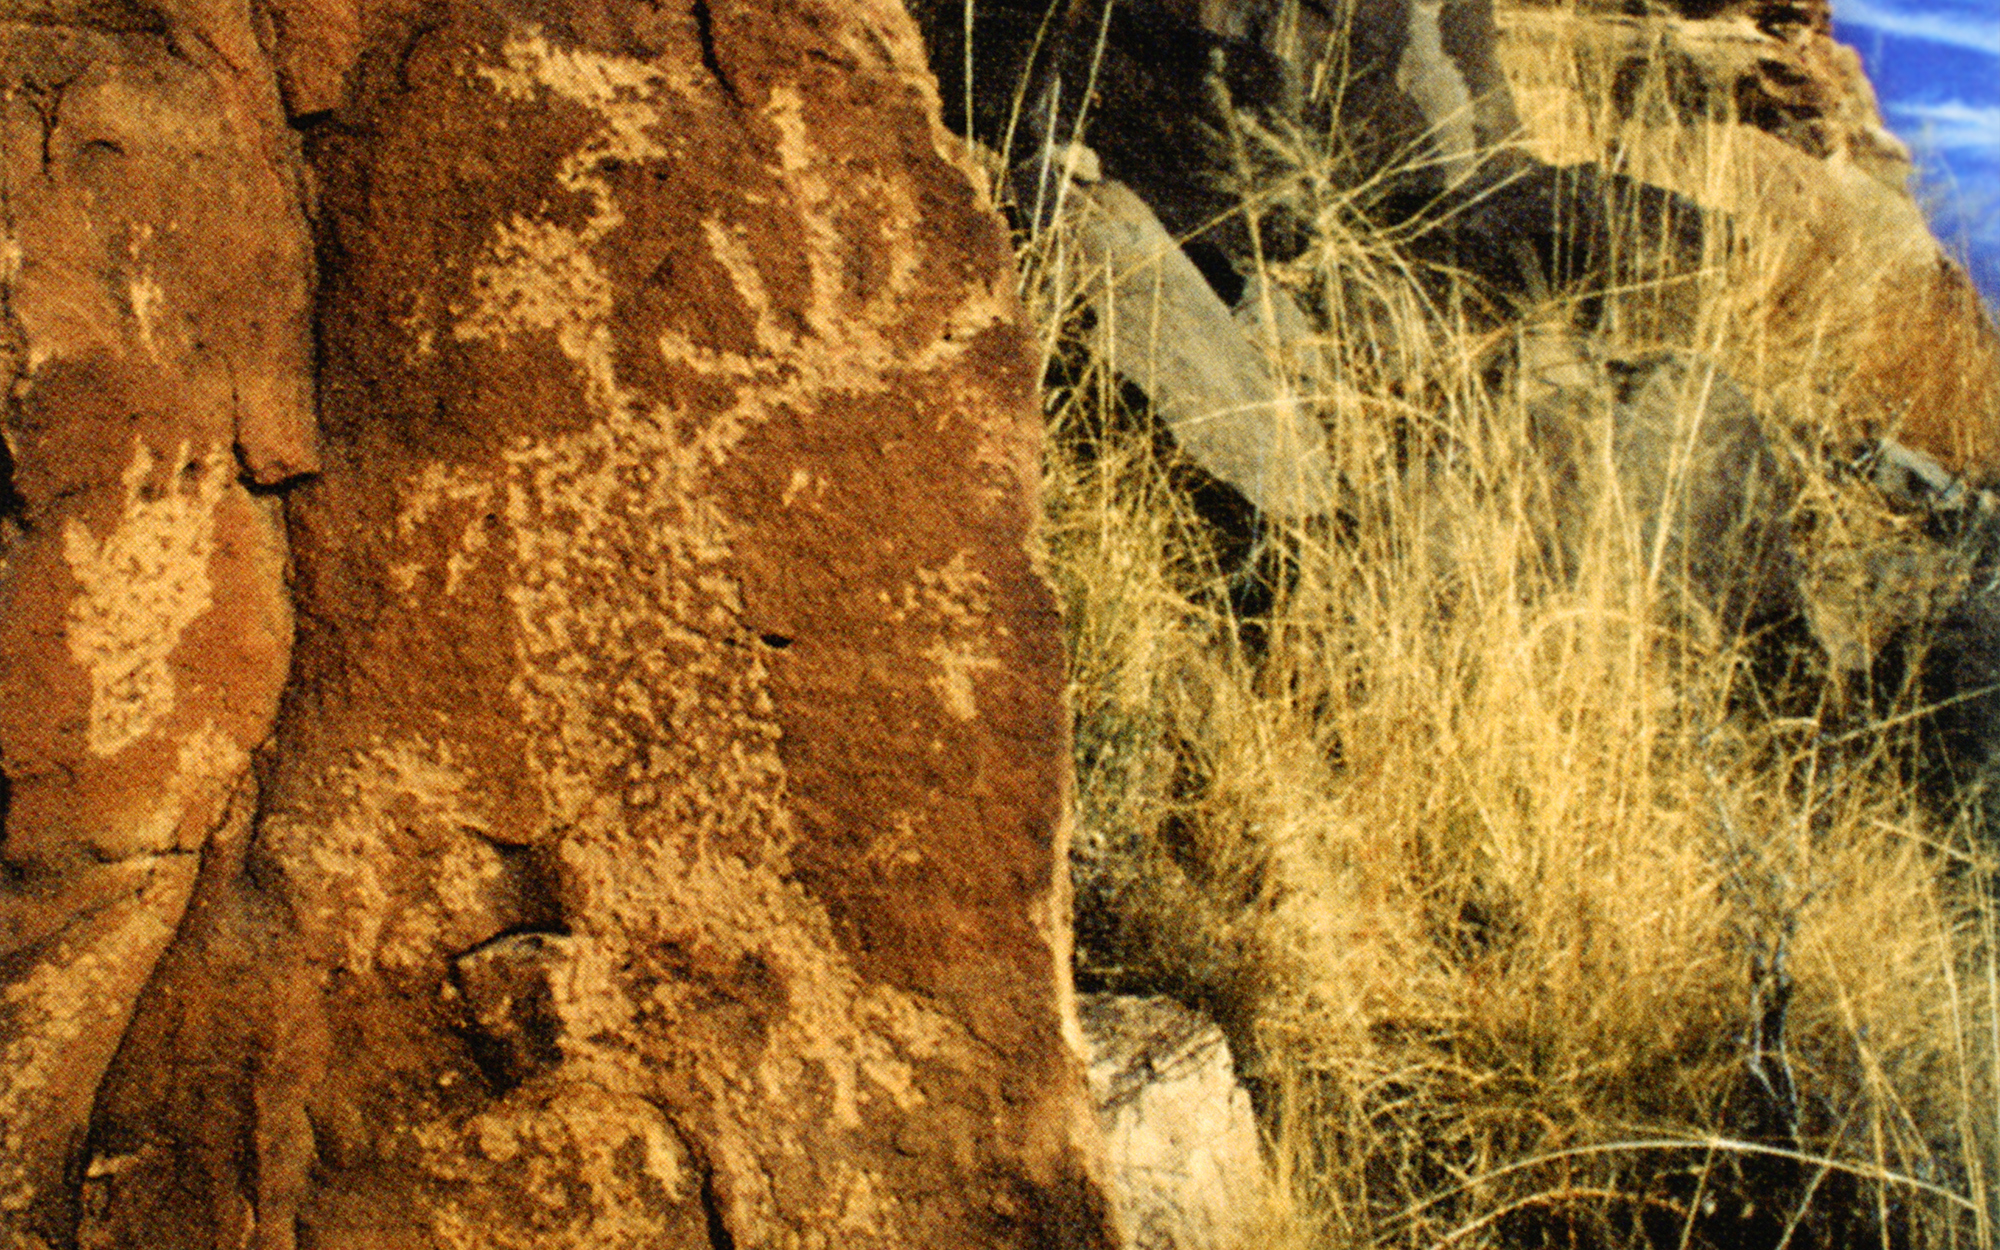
x,y
1700,499
1181,1134
1228,399
657,845
154,292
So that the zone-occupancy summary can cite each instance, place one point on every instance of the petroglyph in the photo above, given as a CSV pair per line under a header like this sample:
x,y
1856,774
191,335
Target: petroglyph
x,y
395,800
543,276
954,601
653,735
444,494
583,1168
142,584
208,763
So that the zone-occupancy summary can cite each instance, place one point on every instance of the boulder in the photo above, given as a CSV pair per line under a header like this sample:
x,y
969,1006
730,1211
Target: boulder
x,y
659,840
1224,395
155,269
1699,495
1198,107
1179,1128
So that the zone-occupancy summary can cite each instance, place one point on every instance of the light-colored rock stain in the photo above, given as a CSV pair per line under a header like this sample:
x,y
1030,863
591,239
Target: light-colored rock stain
x,y
650,725
146,298
142,585
78,989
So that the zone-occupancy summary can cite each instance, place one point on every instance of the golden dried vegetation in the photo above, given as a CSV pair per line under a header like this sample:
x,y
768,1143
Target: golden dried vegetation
x,y
1540,909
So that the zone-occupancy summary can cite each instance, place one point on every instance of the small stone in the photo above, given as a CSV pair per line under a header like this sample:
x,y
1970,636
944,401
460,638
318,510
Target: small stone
x,y
1181,1134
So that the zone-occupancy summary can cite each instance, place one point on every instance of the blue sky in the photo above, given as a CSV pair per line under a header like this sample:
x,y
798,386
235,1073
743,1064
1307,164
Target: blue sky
x,y
1936,66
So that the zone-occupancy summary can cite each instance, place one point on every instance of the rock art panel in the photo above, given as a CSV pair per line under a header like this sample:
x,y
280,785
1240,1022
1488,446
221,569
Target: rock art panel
x,y
155,271
659,846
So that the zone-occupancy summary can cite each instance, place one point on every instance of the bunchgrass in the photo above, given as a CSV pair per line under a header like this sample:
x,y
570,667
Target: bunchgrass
x,y
1540,910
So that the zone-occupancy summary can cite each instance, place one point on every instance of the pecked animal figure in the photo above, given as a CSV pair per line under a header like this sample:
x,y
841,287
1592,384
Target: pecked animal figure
x,y
1412,87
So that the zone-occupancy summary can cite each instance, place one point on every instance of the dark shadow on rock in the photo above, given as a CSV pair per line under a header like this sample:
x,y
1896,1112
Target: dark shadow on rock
x,y
1528,230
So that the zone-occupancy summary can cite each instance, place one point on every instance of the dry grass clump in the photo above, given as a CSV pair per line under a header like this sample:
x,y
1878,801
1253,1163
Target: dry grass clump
x,y
1839,266
1540,910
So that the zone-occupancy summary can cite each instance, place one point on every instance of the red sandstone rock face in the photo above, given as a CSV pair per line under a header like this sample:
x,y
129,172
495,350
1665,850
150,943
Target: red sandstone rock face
x,y
657,843
155,267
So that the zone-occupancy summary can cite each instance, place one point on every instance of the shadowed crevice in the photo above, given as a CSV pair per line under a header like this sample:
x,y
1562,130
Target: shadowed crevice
x,y
719,1236
704,24
13,505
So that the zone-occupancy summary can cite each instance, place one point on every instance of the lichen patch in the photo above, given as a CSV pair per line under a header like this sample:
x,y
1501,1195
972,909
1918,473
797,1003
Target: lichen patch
x,y
142,586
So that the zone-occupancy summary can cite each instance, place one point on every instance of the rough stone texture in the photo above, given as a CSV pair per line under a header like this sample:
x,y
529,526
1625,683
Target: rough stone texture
x,y
1226,397
1699,493
1179,1128
658,845
154,279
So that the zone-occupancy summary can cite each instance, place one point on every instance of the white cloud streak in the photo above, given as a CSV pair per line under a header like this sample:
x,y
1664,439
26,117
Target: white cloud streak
x,y
1949,125
1977,31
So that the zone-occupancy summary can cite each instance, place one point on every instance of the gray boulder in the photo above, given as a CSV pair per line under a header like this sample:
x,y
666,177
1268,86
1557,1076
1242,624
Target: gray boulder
x,y
1699,487
1161,326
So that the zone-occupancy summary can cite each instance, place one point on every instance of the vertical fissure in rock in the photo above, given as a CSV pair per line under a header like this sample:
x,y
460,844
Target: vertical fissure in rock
x,y
47,103
13,505
719,1237
704,24
13,369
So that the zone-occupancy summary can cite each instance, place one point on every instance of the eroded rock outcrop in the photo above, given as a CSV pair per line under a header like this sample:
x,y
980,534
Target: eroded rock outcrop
x,y
657,843
1796,154
155,265
1773,64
